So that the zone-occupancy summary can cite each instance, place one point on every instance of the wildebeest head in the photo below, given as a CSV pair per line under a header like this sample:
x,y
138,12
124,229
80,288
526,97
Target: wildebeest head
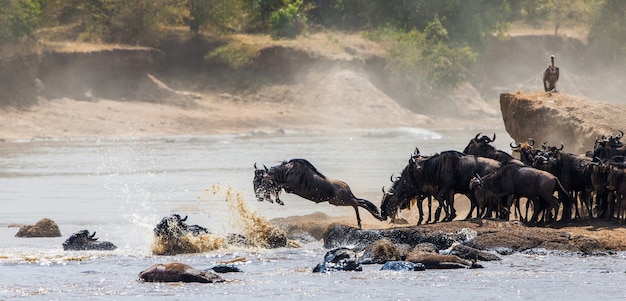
x,y
476,145
527,151
264,185
81,240
388,205
174,226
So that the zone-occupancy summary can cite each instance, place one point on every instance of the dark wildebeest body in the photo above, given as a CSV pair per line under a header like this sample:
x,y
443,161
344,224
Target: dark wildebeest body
x,y
405,189
616,183
571,171
516,181
607,148
81,240
451,172
550,76
300,177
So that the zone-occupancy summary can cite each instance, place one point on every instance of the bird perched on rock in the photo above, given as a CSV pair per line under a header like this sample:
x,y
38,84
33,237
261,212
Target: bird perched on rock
x,y
550,76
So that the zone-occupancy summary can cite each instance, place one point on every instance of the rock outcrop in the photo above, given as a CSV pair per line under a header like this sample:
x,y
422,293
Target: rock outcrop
x,y
43,228
556,117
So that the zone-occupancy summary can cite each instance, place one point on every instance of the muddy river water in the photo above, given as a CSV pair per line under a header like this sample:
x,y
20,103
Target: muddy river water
x,y
122,187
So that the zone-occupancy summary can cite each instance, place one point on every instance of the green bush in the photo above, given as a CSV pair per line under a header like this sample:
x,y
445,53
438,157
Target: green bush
x,y
288,21
607,35
234,55
424,57
18,19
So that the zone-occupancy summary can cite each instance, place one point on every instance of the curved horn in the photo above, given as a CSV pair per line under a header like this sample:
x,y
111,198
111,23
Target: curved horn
x,y
416,153
184,219
531,141
255,165
265,167
391,178
478,135
494,137
92,235
384,189
621,134
515,146
561,146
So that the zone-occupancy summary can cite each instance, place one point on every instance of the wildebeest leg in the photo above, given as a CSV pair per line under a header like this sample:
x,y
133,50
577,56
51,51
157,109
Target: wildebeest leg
x,y
472,207
420,202
442,205
358,217
430,207
452,214
278,200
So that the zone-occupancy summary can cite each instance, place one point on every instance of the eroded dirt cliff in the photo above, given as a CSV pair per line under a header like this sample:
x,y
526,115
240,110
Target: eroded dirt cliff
x,y
558,117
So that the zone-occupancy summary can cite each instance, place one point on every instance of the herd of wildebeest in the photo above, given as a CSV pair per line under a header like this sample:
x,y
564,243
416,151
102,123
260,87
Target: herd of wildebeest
x,y
551,183
545,185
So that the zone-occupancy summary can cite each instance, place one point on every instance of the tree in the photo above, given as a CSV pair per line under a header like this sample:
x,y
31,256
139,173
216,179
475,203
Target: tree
x,y
18,19
607,35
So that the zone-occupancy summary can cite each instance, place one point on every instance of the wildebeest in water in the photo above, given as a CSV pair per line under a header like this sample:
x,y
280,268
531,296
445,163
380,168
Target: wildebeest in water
x,y
300,177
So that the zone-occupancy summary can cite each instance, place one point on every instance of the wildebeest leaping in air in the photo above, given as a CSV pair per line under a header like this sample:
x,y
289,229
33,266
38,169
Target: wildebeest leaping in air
x,y
300,177
550,76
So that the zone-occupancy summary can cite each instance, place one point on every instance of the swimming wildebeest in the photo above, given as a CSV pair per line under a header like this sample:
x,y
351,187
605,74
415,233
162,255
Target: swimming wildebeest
x,y
81,240
300,177
178,272
550,76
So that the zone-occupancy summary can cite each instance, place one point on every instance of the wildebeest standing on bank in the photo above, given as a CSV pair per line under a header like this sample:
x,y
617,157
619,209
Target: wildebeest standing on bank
x,y
300,177
480,146
450,172
517,181
406,188
550,76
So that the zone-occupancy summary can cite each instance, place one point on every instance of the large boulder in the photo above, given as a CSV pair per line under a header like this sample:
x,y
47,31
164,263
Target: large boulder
x,y
43,228
557,117
338,235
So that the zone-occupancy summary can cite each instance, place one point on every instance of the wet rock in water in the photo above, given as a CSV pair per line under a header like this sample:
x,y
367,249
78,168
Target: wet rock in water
x,y
226,268
586,244
381,251
81,240
337,235
43,228
339,259
402,266
178,272
470,253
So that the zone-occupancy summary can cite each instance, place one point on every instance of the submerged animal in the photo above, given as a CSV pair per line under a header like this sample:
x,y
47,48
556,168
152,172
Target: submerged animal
x,y
550,76
172,235
300,177
178,272
339,259
81,240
